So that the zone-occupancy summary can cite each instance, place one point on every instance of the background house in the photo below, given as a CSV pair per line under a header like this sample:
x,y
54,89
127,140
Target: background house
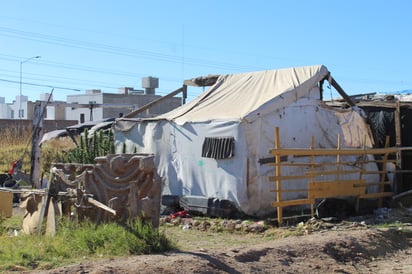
x,y
93,105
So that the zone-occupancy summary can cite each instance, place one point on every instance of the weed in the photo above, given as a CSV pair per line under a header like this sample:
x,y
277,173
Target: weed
x,y
74,241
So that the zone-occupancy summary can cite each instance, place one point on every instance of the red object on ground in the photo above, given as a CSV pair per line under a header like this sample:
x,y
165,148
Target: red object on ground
x,y
13,166
181,214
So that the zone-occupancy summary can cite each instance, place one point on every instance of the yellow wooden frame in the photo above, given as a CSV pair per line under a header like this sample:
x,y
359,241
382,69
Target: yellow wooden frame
x,y
317,189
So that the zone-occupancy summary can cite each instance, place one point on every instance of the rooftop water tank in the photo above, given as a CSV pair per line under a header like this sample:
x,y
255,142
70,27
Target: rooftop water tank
x,y
150,84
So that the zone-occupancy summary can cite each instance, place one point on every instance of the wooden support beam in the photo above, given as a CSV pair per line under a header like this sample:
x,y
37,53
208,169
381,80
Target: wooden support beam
x,y
337,172
331,151
290,190
287,177
292,203
340,90
183,89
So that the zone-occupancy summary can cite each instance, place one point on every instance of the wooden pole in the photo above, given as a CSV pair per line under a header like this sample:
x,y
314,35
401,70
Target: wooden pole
x,y
278,181
338,162
383,175
46,201
151,104
312,176
37,135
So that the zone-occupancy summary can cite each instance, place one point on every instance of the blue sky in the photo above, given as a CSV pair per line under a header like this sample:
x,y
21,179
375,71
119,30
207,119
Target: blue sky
x,y
111,44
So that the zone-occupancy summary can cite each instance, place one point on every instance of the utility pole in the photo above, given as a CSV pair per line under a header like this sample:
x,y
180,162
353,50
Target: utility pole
x,y
21,114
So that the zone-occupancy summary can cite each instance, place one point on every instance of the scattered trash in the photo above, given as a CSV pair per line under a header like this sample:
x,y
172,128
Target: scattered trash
x,y
382,213
181,214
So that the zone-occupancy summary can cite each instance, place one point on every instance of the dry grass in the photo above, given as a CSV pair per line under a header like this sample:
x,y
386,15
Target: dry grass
x,y
17,145
53,151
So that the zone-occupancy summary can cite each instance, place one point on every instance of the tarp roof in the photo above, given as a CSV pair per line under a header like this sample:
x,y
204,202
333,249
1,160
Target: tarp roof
x,y
77,129
234,96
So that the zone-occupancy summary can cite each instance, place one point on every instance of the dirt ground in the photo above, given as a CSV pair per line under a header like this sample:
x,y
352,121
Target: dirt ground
x,y
351,246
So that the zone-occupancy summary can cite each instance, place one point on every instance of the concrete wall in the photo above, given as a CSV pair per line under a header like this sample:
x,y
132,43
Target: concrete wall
x,y
27,125
111,103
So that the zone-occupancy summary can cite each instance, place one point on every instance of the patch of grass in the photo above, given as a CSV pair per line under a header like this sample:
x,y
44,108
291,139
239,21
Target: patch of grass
x,y
395,224
279,233
77,241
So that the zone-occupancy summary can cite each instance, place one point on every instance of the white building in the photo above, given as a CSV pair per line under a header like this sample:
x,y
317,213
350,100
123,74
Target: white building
x,y
4,108
18,109
93,105
96,105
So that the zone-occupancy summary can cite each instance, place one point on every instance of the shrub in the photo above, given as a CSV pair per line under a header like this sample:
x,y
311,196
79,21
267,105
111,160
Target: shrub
x,y
100,144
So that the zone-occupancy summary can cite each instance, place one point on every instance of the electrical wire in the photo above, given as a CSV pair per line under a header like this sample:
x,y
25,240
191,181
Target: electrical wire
x,y
49,39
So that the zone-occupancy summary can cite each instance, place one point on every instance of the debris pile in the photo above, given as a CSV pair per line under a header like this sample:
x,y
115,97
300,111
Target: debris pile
x,y
186,222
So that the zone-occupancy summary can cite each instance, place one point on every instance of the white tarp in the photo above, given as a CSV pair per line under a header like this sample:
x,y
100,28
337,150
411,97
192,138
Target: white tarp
x,y
248,107
235,96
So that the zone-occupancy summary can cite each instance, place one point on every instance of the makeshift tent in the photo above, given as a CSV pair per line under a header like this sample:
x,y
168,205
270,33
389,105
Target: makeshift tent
x,y
212,146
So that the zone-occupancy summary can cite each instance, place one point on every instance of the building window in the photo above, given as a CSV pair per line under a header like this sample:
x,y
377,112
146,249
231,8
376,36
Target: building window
x,y
21,113
218,147
12,114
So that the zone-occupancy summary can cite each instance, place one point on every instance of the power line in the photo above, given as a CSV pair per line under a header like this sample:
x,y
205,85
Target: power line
x,y
38,85
49,39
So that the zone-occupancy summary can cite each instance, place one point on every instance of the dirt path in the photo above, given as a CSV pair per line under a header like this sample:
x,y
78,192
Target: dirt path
x,y
365,250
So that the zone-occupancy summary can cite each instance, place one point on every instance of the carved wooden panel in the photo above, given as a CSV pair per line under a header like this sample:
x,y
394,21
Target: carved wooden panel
x,y
128,183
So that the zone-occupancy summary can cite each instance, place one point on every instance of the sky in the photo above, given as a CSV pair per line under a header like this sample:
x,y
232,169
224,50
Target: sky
x,y
102,44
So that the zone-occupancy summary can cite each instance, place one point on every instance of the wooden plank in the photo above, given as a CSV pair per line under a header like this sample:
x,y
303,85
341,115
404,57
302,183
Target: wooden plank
x,y
341,91
51,219
290,190
287,177
6,204
335,189
374,184
329,163
293,202
376,195
331,172
384,165
278,159
330,151
101,205
375,172
155,102
299,164
377,161
398,131
45,200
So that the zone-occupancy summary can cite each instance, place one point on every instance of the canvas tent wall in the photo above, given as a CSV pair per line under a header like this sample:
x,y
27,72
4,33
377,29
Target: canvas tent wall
x,y
238,115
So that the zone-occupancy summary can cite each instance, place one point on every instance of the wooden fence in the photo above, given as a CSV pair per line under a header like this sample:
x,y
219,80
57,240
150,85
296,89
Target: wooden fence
x,y
316,168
